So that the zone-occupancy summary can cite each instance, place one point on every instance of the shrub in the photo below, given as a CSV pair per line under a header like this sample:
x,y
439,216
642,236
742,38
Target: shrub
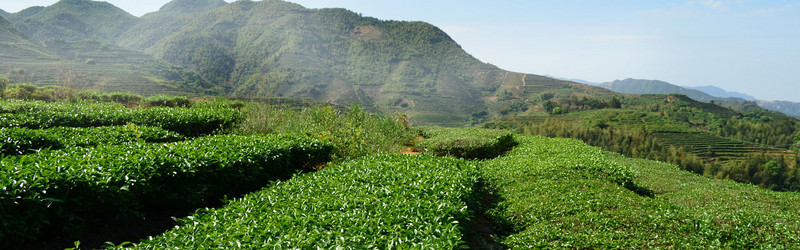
x,y
167,101
355,131
23,91
125,98
60,192
468,143
186,121
18,141
378,201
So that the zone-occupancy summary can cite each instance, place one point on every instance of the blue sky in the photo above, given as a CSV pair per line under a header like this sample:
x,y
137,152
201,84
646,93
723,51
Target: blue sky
x,y
750,46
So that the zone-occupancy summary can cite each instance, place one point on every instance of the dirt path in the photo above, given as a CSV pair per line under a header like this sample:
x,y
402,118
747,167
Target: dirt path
x,y
523,80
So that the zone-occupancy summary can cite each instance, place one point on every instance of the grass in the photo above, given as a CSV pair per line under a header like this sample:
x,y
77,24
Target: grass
x,y
353,130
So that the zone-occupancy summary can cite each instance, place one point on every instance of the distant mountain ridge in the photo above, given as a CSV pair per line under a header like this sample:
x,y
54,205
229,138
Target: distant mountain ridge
x,y
638,86
718,92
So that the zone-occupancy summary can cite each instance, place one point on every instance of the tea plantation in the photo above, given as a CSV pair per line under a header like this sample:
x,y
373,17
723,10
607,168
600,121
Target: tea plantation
x,y
301,177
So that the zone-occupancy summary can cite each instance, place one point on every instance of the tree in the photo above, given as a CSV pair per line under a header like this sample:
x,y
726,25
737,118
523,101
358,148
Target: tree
x,y
614,103
3,84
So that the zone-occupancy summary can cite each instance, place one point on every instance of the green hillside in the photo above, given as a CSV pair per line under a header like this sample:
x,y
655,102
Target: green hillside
x,y
103,67
16,45
275,48
158,25
753,146
279,49
74,20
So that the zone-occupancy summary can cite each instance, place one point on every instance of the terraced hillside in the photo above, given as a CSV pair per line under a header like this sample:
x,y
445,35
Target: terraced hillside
x,y
715,147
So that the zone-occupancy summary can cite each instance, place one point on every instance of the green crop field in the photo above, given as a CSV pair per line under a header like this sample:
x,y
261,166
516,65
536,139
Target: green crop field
x,y
314,175
709,146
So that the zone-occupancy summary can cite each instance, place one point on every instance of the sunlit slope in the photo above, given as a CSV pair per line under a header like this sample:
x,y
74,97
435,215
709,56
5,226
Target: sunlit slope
x,y
98,66
275,48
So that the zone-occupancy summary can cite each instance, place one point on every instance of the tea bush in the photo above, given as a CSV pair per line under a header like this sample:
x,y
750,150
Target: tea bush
x,y
59,192
186,121
469,143
561,193
18,141
378,201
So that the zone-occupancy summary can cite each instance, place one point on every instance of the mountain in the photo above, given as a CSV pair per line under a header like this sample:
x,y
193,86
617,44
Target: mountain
x,y
14,44
27,12
191,6
274,48
718,92
280,49
91,65
168,20
638,86
4,14
74,20
789,108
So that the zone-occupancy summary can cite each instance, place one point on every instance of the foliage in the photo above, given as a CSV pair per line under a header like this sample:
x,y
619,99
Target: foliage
x,y
167,101
60,192
125,98
573,104
353,130
3,85
703,138
743,215
186,121
378,201
468,143
18,141
560,193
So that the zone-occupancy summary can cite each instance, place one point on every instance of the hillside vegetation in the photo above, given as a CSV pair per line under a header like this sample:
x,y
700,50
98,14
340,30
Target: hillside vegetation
x,y
94,65
279,49
755,146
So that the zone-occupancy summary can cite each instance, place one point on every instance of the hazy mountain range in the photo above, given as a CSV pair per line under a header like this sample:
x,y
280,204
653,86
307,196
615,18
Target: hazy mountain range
x,y
703,94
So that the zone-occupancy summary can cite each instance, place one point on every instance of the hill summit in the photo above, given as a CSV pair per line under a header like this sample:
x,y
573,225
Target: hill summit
x,y
191,6
274,48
